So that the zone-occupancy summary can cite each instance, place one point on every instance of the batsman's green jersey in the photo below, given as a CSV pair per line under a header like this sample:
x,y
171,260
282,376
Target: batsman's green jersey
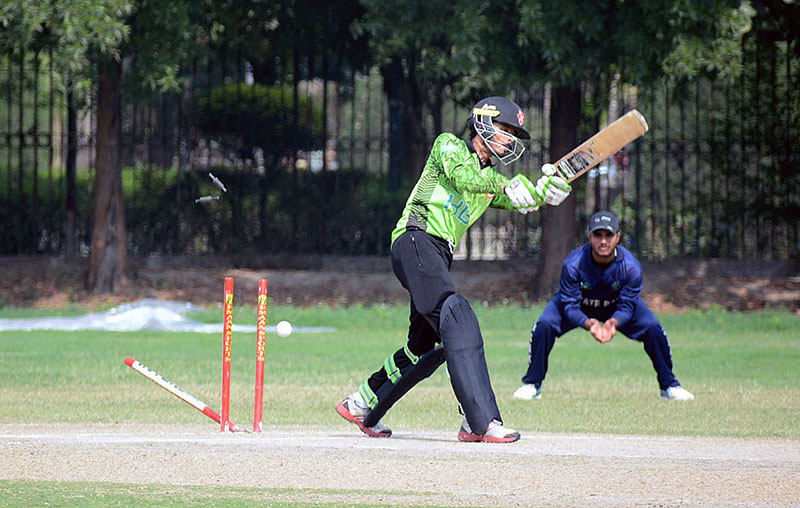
x,y
452,192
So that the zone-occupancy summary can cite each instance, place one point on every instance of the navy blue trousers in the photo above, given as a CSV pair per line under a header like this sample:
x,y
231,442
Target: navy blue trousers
x,y
643,327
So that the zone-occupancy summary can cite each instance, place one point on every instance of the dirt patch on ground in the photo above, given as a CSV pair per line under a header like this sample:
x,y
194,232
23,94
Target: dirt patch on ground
x,y
318,465
669,287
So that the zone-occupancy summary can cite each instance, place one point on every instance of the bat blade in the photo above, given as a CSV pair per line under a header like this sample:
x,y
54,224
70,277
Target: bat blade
x,y
601,146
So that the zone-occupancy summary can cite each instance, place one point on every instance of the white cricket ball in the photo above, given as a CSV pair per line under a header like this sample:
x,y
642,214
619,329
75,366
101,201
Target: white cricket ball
x,y
284,328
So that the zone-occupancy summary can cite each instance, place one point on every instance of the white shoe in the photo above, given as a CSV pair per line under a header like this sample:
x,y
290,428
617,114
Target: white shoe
x,y
353,413
496,433
676,393
528,391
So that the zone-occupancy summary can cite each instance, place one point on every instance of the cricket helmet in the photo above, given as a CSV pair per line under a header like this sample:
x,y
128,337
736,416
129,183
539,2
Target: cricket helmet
x,y
491,110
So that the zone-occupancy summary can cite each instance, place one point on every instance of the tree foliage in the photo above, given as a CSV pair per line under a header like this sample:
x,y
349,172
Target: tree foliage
x,y
244,117
271,34
154,36
438,55
163,35
74,30
575,42
717,54
427,51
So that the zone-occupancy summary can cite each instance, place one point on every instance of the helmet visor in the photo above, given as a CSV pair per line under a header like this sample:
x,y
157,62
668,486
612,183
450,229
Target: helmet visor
x,y
502,142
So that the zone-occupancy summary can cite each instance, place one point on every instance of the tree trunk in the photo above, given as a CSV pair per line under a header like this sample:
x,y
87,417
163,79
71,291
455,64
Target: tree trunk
x,y
392,78
70,232
415,135
558,222
407,128
108,262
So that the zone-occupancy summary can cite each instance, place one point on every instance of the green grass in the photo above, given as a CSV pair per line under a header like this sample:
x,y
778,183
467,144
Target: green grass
x,y
743,368
92,494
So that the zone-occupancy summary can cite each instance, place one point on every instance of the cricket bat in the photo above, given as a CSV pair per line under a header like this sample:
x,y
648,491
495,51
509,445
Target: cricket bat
x,y
601,146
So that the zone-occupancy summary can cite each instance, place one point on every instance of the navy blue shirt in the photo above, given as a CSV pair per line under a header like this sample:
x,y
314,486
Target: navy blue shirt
x,y
589,290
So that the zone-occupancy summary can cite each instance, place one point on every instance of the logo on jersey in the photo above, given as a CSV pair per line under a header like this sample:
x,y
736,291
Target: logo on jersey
x,y
616,285
597,303
460,211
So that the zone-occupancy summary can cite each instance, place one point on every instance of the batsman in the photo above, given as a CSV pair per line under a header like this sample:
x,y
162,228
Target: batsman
x,y
456,186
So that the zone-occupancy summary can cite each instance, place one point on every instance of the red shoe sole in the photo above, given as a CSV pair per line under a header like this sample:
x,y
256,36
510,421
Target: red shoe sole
x,y
510,438
468,437
344,413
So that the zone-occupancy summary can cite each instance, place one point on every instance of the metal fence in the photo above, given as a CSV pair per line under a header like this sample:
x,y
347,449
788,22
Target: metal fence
x,y
716,176
719,175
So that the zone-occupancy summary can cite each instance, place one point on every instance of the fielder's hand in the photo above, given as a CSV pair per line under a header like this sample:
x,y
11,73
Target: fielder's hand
x,y
610,329
595,327
521,192
602,333
552,189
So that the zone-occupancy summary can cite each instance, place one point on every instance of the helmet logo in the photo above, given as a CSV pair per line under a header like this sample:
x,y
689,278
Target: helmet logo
x,y
488,110
520,117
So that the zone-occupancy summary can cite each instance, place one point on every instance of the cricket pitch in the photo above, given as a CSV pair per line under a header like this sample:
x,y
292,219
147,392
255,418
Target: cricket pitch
x,y
340,465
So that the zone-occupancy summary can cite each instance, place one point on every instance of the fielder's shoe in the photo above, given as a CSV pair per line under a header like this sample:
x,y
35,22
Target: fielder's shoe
x,y
676,393
496,433
528,391
351,412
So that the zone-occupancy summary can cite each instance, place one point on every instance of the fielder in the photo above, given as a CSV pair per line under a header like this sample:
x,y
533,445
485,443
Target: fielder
x,y
455,188
600,282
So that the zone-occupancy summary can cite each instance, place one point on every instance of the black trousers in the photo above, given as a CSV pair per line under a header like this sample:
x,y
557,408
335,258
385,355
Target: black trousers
x,y
438,313
421,263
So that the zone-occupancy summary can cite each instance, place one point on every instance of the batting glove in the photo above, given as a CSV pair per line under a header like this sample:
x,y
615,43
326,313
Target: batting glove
x,y
553,189
522,194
